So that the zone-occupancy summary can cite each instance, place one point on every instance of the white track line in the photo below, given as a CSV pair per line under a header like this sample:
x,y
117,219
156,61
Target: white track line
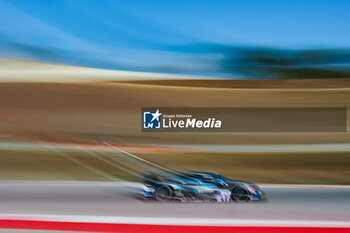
x,y
177,221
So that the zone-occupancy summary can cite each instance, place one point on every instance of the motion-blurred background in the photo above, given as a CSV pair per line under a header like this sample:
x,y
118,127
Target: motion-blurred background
x,y
75,74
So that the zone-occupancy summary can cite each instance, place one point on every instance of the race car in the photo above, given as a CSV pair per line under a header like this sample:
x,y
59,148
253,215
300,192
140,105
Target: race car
x,y
240,191
175,186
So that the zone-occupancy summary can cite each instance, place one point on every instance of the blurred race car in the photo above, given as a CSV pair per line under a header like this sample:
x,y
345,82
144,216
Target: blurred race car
x,y
171,186
239,190
199,186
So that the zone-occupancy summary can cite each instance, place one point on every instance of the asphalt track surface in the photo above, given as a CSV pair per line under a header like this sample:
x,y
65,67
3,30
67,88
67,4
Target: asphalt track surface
x,y
295,202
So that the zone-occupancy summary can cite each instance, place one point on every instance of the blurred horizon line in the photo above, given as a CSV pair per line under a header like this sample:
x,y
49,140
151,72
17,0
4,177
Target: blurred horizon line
x,y
199,60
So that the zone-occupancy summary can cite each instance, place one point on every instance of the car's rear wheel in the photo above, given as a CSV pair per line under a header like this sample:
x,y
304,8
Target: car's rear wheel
x,y
163,193
240,195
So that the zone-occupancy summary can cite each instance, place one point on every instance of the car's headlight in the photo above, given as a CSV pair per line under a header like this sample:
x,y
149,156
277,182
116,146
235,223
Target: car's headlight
x,y
250,188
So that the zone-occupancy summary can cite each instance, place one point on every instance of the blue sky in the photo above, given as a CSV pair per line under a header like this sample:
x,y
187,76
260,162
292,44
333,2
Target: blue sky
x,y
138,33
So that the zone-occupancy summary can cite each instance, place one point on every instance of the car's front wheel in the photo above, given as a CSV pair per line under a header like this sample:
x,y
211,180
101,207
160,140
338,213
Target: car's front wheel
x,y
240,195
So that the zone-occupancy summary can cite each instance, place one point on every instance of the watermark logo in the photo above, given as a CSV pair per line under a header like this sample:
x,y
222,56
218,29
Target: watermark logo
x,y
152,120
181,120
